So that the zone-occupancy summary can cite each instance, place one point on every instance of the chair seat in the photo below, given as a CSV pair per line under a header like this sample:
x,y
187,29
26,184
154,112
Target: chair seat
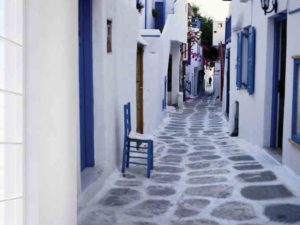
x,y
138,136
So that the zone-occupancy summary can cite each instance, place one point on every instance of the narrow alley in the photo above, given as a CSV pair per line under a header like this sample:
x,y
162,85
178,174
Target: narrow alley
x,y
201,176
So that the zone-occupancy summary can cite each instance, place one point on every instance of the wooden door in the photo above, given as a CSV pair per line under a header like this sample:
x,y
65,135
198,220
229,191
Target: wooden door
x,y
139,90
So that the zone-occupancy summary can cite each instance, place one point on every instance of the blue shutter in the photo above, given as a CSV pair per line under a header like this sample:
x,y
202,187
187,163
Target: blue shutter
x,y
239,60
251,61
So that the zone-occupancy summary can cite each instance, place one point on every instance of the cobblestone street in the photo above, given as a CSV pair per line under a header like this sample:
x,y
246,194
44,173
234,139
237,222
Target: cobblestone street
x,y
201,176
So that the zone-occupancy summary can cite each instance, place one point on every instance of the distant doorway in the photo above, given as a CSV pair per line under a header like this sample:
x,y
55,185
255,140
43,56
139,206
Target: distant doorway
x,y
139,90
228,83
87,158
169,79
278,89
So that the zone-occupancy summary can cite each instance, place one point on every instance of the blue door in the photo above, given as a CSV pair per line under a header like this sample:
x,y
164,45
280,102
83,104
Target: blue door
x,y
278,85
159,19
86,85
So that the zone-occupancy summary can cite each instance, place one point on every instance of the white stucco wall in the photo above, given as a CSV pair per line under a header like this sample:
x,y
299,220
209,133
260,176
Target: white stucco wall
x,y
114,77
156,58
52,117
291,154
254,125
242,15
218,32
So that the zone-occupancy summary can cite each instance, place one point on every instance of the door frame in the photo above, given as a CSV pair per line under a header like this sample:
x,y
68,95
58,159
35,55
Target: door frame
x,y
228,82
274,108
140,114
87,158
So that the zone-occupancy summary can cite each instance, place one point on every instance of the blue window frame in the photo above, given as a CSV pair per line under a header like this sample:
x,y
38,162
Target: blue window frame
x,y
246,59
296,103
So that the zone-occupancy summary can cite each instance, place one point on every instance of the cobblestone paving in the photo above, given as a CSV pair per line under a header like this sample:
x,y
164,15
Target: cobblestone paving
x,y
201,177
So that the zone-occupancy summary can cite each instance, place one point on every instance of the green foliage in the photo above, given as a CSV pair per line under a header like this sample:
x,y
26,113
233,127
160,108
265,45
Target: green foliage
x,y
154,12
211,54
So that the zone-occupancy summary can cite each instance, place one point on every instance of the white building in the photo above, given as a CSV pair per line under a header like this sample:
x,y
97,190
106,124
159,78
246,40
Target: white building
x,y
264,74
218,32
62,96
194,78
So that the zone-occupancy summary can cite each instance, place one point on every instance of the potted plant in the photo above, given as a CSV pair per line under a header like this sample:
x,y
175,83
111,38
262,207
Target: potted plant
x,y
154,12
139,6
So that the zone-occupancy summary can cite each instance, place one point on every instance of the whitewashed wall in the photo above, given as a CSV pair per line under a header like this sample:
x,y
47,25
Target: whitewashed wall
x,y
52,117
195,65
254,125
11,113
218,32
291,154
251,122
156,58
114,77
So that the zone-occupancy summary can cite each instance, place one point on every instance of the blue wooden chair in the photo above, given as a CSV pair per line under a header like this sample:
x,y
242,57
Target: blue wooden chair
x,y
135,141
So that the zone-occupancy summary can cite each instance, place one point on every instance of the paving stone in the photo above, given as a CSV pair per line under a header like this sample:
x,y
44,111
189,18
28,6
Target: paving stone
x,y
234,211
195,203
286,213
128,183
171,158
120,197
202,153
165,137
168,169
265,192
177,151
242,158
149,208
248,167
206,180
165,178
184,212
211,157
144,223
205,157
208,172
207,164
204,147
195,222
160,190
128,176
216,191
99,216
256,176
179,145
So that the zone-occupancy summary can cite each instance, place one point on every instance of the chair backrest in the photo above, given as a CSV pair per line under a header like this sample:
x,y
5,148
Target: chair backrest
x,y
127,119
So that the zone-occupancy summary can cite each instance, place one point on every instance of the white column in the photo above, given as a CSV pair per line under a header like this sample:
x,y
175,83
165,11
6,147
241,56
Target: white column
x,y
175,51
52,115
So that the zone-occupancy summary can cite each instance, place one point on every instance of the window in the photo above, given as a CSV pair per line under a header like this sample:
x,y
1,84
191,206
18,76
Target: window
x,y
296,102
220,25
109,36
246,59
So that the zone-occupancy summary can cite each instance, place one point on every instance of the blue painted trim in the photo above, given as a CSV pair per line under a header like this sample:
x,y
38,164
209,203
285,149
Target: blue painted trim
x,y
273,138
146,13
295,137
86,85
294,11
164,12
149,35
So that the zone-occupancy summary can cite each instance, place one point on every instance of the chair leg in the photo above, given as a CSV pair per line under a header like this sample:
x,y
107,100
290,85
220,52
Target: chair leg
x,y
124,156
128,154
149,163
151,154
